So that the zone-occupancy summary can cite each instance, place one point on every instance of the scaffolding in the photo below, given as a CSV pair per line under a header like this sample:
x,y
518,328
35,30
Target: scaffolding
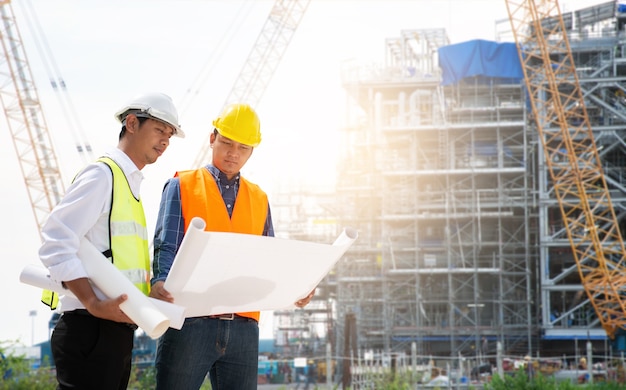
x,y
461,243
307,215
442,256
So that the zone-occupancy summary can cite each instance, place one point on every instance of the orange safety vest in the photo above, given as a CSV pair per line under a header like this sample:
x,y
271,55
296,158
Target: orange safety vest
x,y
201,197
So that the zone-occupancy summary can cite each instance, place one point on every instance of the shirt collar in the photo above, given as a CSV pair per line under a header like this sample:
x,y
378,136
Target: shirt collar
x,y
125,163
220,176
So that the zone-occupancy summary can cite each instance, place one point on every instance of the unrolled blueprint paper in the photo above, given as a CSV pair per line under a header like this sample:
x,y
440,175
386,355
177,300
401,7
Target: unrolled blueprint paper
x,y
216,272
38,276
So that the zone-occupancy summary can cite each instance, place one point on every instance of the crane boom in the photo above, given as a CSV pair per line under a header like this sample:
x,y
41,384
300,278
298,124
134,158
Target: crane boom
x,y
571,156
263,59
26,122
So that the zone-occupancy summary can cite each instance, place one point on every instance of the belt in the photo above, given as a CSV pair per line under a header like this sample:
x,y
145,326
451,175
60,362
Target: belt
x,y
228,317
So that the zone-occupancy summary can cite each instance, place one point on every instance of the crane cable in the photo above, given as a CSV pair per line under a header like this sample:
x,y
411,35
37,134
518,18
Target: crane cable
x,y
82,144
224,42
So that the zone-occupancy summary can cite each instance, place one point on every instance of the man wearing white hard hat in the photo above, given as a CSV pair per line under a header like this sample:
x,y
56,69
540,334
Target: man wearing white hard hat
x,y
92,341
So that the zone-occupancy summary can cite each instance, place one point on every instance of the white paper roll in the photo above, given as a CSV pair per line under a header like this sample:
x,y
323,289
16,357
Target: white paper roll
x,y
108,279
38,276
191,245
174,313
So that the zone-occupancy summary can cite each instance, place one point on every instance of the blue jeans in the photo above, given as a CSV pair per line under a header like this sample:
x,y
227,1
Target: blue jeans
x,y
227,350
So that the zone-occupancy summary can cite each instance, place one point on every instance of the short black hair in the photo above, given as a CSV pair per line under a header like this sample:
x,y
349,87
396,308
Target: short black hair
x,y
141,119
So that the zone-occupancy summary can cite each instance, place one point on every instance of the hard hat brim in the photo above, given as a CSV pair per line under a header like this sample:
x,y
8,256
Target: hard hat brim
x,y
122,114
157,106
178,132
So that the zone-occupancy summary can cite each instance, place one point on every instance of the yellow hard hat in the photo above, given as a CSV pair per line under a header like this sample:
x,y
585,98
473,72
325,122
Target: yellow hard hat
x,y
240,123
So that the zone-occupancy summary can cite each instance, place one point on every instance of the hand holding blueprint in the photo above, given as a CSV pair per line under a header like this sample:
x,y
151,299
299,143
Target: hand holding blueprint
x,y
151,315
216,272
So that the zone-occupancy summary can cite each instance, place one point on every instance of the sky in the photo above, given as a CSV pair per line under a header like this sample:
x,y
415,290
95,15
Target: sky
x,y
110,50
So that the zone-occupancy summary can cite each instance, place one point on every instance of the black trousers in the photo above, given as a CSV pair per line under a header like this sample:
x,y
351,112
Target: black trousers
x,y
91,353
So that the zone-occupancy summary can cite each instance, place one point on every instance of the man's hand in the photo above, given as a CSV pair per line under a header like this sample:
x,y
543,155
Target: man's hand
x,y
305,301
109,309
159,292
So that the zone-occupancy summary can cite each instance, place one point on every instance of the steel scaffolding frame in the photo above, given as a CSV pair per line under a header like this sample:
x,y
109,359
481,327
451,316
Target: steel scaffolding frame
x,y
461,243
448,190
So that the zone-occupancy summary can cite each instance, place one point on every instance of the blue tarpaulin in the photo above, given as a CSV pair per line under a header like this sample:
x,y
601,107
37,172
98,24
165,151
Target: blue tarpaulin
x,y
480,58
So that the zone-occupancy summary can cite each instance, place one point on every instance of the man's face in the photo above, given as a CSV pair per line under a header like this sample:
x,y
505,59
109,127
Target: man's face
x,y
152,139
229,156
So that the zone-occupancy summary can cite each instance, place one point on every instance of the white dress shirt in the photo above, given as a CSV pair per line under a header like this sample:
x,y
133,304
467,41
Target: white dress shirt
x,y
83,212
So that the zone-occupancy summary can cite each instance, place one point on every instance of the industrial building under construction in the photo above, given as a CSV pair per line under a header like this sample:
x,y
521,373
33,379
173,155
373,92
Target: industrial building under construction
x,y
462,241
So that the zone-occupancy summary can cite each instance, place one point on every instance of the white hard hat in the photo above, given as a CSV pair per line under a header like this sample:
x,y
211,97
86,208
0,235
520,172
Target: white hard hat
x,y
157,106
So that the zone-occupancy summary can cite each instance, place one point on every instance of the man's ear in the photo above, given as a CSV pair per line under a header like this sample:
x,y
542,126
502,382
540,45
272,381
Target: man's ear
x,y
212,138
132,123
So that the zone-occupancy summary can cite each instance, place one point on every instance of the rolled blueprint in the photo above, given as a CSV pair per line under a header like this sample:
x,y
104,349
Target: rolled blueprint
x,y
190,246
108,279
218,272
38,276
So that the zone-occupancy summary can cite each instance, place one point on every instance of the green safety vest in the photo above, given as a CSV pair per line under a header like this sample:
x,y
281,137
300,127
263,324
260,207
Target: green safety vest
x,y
128,235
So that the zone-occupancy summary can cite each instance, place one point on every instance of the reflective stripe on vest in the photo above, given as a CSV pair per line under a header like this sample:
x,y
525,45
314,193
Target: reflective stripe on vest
x,y
200,197
127,228
128,231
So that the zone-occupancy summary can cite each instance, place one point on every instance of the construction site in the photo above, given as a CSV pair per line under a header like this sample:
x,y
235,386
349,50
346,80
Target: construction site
x,y
486,180
466,240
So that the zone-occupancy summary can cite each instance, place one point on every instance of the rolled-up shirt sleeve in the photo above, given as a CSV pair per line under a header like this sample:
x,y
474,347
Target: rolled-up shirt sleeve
x,y
169,230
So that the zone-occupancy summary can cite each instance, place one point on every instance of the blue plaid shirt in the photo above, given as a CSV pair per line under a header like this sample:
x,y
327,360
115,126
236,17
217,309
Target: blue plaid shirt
x,y
170,226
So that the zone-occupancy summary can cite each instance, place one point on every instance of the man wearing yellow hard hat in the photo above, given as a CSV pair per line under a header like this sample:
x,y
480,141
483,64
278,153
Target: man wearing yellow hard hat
x,y
224,346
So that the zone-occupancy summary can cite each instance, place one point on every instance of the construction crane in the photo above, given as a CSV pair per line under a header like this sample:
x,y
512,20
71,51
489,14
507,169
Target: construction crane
x,y
263,59
57,82
571,156
26,122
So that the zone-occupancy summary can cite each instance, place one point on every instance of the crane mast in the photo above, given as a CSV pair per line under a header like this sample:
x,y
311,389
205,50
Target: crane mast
x,y
27,125
571,156
263,59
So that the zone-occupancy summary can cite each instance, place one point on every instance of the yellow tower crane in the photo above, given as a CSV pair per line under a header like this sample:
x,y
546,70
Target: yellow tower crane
x,y
571,156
